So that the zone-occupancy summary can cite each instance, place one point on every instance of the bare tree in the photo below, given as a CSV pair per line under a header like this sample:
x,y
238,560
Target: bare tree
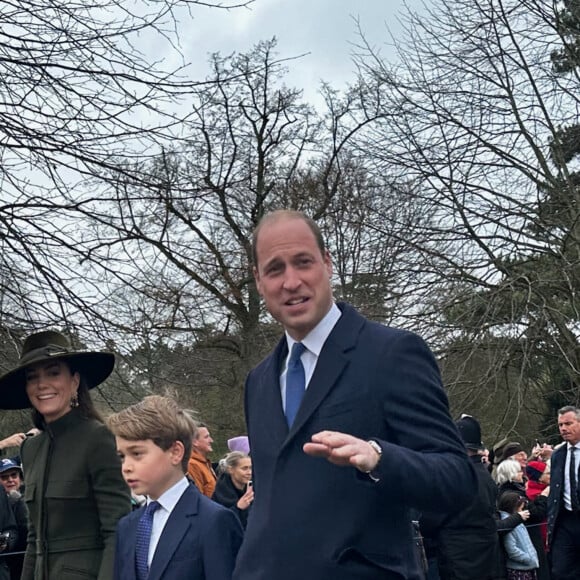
x,y
84,86
178,249
472,116
249,137
130,193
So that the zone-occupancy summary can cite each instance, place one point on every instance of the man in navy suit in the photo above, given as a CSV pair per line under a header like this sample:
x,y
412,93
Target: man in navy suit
x,y
180,534
564,500
339,475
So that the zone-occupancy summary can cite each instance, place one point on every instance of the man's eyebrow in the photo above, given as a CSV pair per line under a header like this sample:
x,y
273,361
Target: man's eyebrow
x,y
272,262
277,260
302,255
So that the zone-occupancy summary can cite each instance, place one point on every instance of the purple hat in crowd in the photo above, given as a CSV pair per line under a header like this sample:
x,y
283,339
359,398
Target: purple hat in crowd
x,y
240,443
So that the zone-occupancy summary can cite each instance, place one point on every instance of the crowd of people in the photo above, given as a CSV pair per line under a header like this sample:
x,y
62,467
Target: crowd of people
x,y
501,535
522,525
350,444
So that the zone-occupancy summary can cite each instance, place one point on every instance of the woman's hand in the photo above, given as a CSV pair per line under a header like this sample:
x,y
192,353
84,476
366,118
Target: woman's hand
x,y
246,500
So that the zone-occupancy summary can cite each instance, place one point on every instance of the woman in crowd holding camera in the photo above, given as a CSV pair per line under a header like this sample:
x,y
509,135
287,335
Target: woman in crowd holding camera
x,y
234,486
75,492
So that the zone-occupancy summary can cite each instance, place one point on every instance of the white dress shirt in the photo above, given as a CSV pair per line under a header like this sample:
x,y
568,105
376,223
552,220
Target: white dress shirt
x,y
168,501
314,341
567,488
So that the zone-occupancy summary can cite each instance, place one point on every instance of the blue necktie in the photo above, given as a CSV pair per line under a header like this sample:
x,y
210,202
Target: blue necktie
x,y
143,538
295,382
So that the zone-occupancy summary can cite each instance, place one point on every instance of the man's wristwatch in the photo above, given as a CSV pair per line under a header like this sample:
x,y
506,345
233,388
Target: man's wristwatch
x,y
379,451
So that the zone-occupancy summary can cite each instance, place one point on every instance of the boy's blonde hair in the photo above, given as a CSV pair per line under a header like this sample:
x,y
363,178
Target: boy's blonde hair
x,y
158,418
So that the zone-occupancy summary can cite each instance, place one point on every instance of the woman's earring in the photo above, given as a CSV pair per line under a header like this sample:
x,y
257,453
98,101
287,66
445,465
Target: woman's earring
x,y
74,400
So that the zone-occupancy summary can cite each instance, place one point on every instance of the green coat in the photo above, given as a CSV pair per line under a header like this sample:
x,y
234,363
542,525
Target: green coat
x,y
75,495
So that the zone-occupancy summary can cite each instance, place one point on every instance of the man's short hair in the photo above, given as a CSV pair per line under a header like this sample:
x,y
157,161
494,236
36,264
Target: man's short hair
x,y
280,214
158,418
197,426
569,409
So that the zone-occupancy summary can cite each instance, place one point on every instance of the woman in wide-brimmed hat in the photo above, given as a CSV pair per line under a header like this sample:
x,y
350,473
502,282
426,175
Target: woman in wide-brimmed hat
x,y
75,492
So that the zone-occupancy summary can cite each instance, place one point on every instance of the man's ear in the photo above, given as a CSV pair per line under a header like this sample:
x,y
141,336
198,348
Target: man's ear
x,y
328,263
257,280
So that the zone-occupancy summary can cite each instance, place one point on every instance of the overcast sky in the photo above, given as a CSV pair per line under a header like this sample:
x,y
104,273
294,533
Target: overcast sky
x,y
323,28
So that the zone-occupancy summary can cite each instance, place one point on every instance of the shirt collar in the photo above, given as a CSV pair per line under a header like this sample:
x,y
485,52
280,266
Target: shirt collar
x,y
315,339
169,498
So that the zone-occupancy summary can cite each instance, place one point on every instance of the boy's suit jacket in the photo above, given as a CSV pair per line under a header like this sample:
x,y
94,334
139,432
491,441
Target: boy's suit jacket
x,y
200,541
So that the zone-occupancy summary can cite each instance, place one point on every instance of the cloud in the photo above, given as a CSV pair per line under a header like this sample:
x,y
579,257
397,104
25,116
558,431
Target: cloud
x,y
325,29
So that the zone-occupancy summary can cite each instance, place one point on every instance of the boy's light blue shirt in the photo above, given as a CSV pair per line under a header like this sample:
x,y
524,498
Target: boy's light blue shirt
x,y
168,501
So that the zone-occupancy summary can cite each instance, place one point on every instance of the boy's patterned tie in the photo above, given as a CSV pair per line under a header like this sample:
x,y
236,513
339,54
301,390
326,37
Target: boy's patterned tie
x,y
143,538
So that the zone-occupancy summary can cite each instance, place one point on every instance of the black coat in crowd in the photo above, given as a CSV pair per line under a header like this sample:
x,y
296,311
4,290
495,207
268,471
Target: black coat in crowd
x,y
21,517
467,543
227,494
8,527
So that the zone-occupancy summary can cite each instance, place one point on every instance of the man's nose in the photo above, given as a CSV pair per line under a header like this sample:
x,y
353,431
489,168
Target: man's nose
x,y
292,279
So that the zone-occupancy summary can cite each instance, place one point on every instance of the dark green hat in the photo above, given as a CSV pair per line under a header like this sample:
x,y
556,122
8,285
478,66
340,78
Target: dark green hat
x,y
94,366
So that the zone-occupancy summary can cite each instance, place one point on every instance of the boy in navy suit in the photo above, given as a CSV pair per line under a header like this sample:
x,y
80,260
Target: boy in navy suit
x,y
179,534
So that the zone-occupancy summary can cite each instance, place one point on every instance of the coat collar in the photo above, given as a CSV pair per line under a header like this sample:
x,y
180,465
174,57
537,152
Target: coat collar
x,y
64,423
333,359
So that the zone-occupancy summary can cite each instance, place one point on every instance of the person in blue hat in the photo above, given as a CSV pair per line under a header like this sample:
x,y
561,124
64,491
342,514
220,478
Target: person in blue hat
x,y
12,479
11,475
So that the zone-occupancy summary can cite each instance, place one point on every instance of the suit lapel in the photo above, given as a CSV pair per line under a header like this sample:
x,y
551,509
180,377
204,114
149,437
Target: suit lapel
x,y
273,421
179,522
129,542
331,363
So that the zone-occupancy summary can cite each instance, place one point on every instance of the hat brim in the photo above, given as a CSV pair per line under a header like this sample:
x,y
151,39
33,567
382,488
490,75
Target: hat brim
x,y
474,447
19,467
95,367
